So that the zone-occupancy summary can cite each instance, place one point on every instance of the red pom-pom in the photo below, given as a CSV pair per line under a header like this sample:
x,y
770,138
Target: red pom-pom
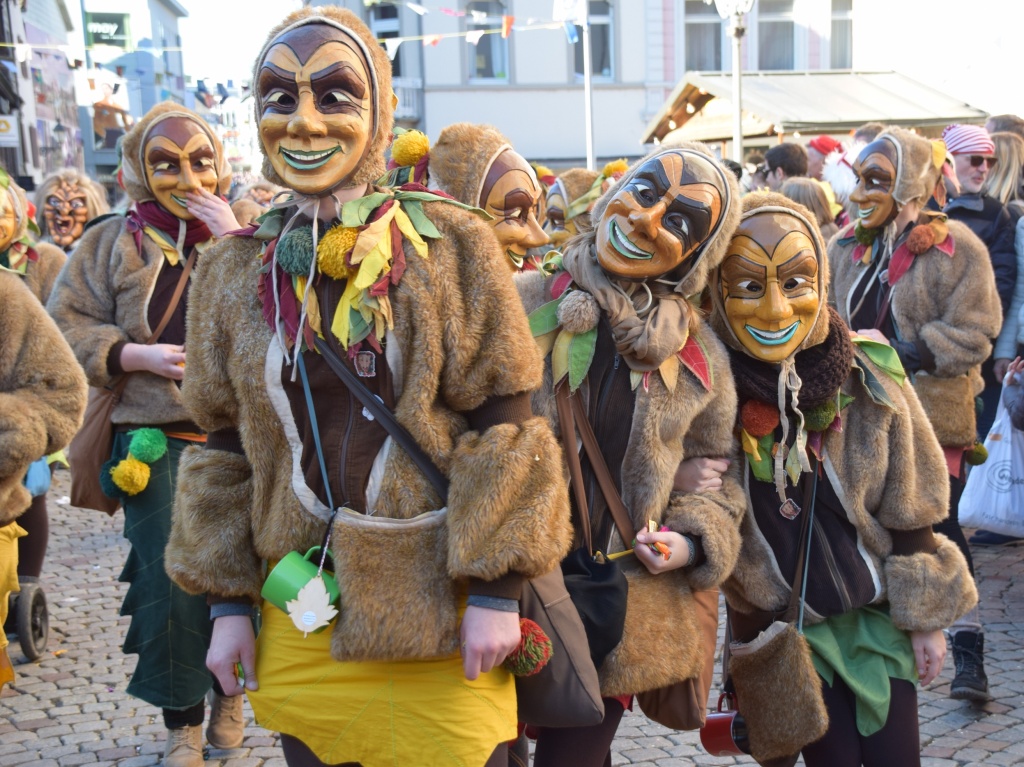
x,y
920,239
533,652
758,418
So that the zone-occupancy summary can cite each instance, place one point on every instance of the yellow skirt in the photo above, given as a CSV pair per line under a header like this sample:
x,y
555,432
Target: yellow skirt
x,y
9,535
380,714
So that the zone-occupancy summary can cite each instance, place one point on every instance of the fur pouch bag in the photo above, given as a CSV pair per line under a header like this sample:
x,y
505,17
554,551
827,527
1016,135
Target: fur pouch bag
x,y
397,600
949,405
778,691
661,642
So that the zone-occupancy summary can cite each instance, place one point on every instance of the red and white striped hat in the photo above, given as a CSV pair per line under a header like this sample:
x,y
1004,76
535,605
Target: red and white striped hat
x,y
968,139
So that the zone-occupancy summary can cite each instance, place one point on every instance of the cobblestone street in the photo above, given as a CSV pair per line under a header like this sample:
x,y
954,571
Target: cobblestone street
x,y
70,707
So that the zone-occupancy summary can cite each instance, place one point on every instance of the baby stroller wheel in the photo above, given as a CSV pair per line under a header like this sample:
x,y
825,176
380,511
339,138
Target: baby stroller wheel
x,y
33,620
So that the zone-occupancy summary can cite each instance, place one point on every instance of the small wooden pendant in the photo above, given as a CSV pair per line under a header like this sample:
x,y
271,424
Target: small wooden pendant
x,y
790,509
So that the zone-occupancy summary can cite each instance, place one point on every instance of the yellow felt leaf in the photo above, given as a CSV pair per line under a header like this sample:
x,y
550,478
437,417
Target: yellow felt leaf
x,y
546,342
670,371
560,355
300,287
311,609
340,325
370,237
410,233
793,464
375,263
169,251
749,445
313,314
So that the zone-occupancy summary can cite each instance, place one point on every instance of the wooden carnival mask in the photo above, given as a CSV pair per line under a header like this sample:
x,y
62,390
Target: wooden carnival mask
x,y
876,168
660,216
66,211
315,97
510,193
9,223
769,284
557,204
179,158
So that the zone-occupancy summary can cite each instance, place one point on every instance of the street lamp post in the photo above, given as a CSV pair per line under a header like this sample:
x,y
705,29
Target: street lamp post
x,y
734,10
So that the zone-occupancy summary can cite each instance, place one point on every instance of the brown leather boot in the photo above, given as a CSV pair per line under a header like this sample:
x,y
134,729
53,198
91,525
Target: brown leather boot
x,y
184,747
226,726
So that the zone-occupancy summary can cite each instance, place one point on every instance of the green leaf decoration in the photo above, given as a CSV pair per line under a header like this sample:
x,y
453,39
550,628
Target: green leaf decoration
x,y
544,319
884,356
763,469
355,212
414,210
560,356
844,400
271,224
358,327
581,354
34,227
5,180
431,197
873,386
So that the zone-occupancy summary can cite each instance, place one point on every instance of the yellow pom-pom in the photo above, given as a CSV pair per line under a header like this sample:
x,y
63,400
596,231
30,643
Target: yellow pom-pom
x,y
131,475
409,148
332,249
543,171
615,166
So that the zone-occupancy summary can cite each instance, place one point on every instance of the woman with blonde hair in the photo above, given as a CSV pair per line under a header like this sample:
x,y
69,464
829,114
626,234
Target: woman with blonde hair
x,y
1004,180
810,194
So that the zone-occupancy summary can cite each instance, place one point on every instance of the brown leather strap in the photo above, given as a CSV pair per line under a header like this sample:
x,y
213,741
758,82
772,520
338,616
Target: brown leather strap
x,y
810,491
572,458
179,289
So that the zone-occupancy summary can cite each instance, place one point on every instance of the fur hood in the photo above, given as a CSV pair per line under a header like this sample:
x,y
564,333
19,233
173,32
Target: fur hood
x,y
918,172
373,165
133,165
460,159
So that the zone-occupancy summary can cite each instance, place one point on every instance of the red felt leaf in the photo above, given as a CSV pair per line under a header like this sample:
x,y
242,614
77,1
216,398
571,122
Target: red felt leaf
x,y
947,246
858,253
559,284
696,361
397,252
900,263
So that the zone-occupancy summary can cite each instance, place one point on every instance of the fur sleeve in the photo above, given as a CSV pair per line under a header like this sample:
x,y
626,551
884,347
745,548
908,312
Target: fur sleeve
x,y
83,303
960,337
42,391
928,592
916,490
43,273
210,547
715,516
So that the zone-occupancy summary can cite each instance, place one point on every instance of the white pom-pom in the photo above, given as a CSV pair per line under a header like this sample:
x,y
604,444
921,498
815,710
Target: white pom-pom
x,y
578,312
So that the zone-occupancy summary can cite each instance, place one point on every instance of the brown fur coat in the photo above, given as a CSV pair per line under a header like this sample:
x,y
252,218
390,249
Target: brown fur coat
x,y
951,306
42,391
42,274
890,474
102,297
507,506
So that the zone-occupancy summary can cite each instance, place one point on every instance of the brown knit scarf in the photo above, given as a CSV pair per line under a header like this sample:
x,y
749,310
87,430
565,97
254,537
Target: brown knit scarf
x,y
822,368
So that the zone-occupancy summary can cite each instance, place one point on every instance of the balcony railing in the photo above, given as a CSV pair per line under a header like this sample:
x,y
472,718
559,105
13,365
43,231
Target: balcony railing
x,y
410,99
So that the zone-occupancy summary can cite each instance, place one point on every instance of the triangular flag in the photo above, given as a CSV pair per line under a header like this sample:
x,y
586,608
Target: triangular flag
x,y
432,40
416,8
391,46
506,25
474,37
571,34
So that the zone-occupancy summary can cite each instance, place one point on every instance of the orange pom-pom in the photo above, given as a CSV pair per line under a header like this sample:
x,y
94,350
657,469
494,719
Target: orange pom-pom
x,y
759,418
920,239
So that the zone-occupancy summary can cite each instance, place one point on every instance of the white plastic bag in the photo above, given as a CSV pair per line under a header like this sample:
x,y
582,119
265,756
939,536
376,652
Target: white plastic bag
x,y
994,496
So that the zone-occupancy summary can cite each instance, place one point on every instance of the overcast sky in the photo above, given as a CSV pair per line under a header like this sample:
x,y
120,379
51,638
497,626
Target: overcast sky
x,y
221,38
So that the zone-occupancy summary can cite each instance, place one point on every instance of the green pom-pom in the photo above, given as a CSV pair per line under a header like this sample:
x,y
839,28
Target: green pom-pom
x,y
821,417
294,251
533,652
864,236
977,455
148,445
107,481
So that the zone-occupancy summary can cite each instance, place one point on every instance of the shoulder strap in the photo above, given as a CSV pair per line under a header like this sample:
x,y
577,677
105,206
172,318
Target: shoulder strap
x,y
795,611
597,464
386,418
572,458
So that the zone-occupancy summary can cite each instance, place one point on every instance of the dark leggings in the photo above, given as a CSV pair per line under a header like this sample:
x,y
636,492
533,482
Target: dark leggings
x,y
32,547
950,526
175,719
298,754
898,742
580,746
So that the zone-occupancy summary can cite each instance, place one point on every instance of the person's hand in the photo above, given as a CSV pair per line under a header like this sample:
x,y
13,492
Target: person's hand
x,y
487,636
999,368
212,211
698,475
679,551
929,653
873,334
1015,368
167,360
233,642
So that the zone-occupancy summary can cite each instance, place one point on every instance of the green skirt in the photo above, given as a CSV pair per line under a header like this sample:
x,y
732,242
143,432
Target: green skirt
x,y
866,650
170,630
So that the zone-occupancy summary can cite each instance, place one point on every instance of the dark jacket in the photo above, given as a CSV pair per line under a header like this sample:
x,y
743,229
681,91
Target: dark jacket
x,y
995,225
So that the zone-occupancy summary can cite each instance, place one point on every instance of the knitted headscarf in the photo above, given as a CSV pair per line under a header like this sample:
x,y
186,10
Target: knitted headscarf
x,y
133,164
373,165
789,382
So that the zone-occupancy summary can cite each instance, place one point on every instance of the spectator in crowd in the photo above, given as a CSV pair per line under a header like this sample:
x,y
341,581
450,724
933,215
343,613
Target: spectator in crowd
x,y
1005,124
974,158
784,161
818,148
868,132
754,177
1004,182
810,194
